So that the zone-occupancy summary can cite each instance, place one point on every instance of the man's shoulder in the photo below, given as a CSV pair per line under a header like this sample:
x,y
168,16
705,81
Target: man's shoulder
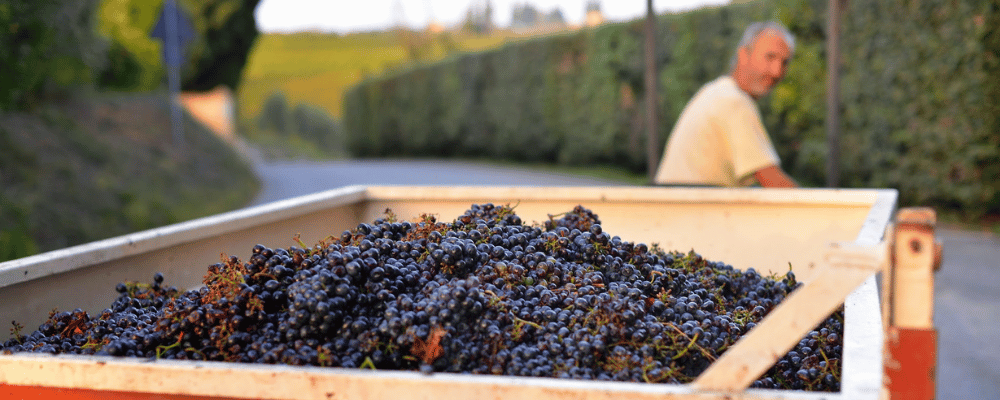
x,y
722,91
724,87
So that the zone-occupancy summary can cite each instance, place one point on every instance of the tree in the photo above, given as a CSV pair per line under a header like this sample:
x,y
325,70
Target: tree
x,y
46,45
225,31
229,30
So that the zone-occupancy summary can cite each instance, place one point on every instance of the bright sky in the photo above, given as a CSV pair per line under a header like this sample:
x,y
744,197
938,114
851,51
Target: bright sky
x,y
365,15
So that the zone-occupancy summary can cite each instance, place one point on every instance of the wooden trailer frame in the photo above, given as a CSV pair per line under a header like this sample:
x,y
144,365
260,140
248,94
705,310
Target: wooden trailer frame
x,y
848,240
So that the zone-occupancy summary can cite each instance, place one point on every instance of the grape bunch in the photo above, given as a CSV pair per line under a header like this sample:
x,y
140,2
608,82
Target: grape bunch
x,y
483,294
578,218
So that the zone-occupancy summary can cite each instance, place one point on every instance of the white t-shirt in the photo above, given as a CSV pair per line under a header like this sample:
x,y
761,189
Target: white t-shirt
x,y
718,140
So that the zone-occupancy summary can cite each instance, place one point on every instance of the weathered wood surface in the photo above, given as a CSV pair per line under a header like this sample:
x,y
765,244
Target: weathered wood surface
x,y
763,229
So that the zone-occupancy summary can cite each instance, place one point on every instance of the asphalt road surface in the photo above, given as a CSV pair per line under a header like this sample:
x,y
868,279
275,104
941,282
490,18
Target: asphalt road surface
x,y
967,291
281,180
967,314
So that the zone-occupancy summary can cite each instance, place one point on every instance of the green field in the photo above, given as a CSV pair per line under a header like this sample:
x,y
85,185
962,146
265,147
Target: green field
x,y
317,68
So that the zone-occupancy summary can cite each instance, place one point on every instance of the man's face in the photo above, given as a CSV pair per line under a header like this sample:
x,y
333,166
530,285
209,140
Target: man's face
x,y
763,64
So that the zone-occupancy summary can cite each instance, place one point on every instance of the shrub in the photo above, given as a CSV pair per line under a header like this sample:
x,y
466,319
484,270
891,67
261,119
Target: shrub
x,y
919,94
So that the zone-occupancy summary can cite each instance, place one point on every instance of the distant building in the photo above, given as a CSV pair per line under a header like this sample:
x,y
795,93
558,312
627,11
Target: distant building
x,y
525,18
594,15
435,27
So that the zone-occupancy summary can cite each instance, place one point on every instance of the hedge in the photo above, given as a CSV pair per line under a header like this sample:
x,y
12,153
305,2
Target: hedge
x,y
919,95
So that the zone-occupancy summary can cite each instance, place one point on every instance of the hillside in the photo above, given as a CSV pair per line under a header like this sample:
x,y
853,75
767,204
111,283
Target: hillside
x,y
91,167
317,68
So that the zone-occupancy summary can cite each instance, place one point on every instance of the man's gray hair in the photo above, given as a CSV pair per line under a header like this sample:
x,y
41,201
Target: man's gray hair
x,y
754,31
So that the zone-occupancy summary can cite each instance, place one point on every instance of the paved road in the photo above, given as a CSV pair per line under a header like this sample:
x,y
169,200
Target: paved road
x,y
967,292
967,314
282,180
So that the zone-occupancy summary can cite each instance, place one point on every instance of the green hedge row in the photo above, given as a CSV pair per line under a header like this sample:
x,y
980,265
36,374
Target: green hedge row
x,y
917,113
919,89
306,121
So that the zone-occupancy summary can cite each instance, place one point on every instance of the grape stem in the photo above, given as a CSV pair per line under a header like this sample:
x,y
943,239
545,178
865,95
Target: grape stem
x,y
537,326
691,342
368,364
161,349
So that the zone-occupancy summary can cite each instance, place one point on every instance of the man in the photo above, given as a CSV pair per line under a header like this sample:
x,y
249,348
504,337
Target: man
x,y
719,139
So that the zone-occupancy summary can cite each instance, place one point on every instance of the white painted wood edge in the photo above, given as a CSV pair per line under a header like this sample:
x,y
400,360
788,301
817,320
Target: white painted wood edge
x,y
847,266
199,378
70,258
876,226
63,260
864,338
626,194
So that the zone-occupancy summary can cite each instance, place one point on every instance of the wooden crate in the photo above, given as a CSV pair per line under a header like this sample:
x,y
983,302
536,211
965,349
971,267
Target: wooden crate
x,y
834,239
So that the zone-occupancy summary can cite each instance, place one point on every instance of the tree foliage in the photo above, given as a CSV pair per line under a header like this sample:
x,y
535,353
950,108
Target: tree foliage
x,y
48,45
134,57
919,95
51,45
225,31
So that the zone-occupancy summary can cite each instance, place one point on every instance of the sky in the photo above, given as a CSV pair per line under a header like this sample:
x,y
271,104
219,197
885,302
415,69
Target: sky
x,y
344,16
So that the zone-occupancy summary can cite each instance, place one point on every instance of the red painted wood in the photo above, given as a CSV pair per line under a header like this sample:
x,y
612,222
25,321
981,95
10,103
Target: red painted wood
x,y
44,393
909,368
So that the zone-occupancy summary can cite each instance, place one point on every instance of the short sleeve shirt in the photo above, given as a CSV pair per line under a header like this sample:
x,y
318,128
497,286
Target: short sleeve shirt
x,y
718,140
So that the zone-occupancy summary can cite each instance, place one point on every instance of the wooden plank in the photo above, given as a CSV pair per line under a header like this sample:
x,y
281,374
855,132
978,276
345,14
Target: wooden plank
x,y
841,205
748,228
859,261
768,225
861,371
914,251
248,381
909,372
841,197
848,266
45,392
63,260
910,353
877,223
59,261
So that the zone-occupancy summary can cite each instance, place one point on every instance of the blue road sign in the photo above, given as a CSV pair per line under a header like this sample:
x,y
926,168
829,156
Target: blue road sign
x,y
174,29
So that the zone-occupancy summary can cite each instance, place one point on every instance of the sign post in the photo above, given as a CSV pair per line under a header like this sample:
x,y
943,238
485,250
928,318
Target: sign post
x,y
652,137
175,30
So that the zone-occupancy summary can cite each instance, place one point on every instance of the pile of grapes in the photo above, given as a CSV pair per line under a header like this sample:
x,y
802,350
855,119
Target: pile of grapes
x,y
485,294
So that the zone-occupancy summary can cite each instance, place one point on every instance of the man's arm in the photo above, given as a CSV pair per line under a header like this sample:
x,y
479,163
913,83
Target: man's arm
x,y
773,177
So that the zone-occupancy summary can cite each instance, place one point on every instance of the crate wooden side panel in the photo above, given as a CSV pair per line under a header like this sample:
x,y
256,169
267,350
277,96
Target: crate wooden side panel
x,y
749,228
743,224
845,267
245,381
792,319
861,372
85,276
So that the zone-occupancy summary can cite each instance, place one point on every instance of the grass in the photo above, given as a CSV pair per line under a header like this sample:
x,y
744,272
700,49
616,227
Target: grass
x,y
610,173
318,68
292,147
94,166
